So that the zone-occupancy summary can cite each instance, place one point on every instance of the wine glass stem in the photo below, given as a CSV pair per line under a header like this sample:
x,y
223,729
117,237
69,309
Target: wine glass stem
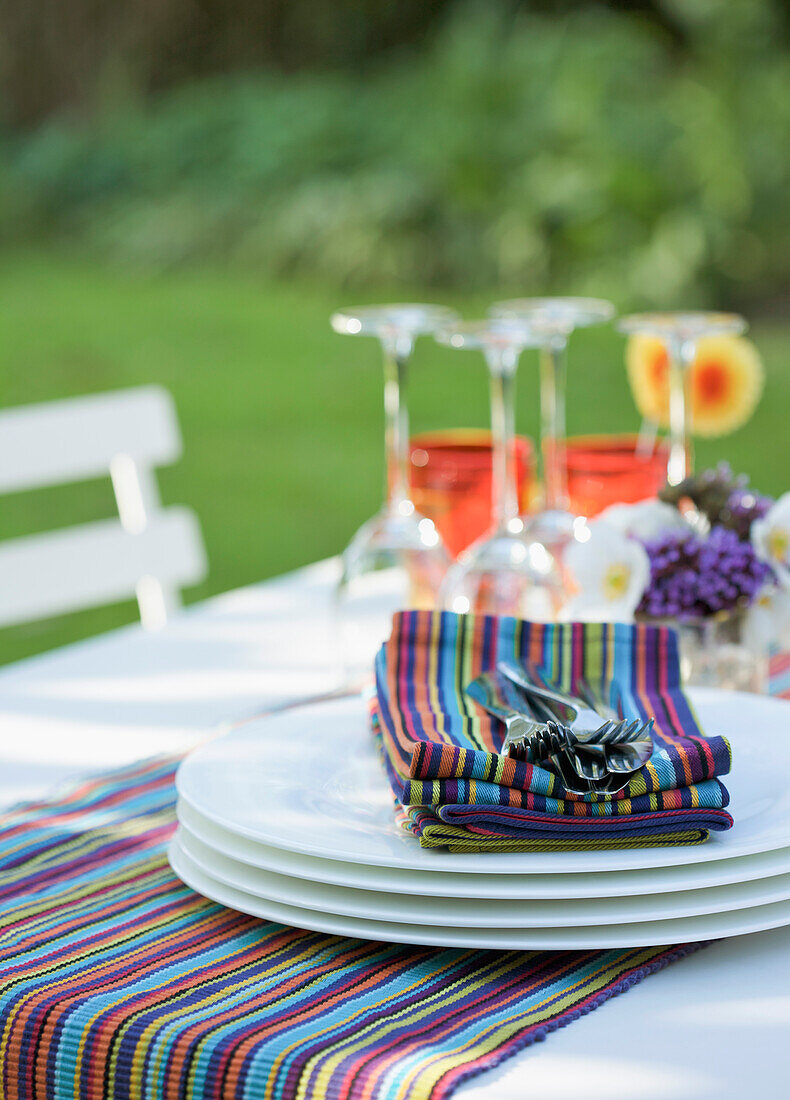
x,y
681,356
552,431
396,419
504,490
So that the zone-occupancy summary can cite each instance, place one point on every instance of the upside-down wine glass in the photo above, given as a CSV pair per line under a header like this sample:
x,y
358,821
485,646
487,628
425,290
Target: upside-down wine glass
x,y
505,572
680,334
553,320
396,559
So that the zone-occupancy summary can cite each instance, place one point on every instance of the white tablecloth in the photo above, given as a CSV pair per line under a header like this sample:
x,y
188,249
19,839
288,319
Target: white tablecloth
x,y
714,1025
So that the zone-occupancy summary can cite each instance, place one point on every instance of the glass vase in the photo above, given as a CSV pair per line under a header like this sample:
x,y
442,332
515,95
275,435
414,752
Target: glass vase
x,y
714,653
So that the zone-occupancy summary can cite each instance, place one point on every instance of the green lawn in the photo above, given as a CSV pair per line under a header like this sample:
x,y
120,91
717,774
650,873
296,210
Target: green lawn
x,y
281,418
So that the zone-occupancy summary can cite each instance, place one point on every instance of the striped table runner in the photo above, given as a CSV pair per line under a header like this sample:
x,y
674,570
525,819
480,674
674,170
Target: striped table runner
x,y
118,981
779,674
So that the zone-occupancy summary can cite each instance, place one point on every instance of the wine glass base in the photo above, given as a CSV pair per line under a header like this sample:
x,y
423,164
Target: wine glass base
x,y
554,528
505,574
396,560
394,530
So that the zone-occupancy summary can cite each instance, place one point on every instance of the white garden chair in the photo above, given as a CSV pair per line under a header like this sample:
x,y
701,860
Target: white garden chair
x,y
149,552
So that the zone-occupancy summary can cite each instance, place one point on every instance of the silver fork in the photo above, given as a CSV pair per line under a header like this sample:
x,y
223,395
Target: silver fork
x,y
624,756
595,698
495,693
626,745
589,757
500,697
569,709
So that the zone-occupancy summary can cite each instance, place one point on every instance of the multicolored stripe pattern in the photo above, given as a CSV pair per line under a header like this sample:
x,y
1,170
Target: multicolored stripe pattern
x,y
441,750
117,981
469,829
779,674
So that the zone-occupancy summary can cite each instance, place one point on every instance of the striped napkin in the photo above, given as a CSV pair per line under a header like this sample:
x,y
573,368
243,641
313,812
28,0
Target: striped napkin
x,y
442,752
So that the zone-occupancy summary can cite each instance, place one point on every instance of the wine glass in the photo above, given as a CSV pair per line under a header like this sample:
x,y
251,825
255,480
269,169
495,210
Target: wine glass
x,y
553,320
396,559
505,572
680,333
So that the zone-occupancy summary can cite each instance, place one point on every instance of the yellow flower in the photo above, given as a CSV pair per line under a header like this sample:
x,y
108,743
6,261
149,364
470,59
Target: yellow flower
x,y
616,580
726,382
647,363
778,544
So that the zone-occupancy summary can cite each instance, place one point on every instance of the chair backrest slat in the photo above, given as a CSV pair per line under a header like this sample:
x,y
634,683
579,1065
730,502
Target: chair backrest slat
x,y
148,552
76,439
96,563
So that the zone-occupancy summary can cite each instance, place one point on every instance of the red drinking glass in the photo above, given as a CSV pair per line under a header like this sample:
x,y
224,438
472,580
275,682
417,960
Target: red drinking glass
x,y
609,469
450,481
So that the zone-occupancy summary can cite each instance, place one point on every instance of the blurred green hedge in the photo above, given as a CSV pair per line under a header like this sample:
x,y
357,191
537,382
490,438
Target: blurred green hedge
x,y
591,153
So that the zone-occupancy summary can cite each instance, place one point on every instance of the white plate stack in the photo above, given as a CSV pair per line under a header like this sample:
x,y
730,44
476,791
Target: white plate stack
x,y
290,818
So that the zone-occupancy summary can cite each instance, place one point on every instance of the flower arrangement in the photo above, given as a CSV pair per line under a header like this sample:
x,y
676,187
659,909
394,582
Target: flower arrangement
x,y
693,576
706,548
726,382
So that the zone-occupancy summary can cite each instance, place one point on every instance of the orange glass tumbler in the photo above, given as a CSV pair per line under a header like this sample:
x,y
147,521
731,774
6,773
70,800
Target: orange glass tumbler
x,y
450,481
608,469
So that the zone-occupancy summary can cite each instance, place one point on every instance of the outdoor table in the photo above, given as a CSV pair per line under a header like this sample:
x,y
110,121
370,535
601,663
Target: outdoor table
x,y
716,1024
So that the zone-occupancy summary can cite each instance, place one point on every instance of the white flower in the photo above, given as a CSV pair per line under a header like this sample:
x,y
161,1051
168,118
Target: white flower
x,y
771,538
647,519
767,622
611,572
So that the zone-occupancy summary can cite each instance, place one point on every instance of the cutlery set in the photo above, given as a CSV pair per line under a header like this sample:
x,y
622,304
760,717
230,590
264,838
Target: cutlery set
x,y
580,738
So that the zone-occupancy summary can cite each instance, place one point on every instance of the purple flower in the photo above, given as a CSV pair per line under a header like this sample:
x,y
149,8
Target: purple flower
x,y
722,497
743,507
692,576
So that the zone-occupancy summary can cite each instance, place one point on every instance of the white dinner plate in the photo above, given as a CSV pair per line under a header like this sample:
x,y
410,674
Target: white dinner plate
x,y
597,884
477,912
644,934
308,780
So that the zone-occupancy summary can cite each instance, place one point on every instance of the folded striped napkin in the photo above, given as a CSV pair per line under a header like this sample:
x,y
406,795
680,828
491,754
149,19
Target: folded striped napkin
x,y
442,752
